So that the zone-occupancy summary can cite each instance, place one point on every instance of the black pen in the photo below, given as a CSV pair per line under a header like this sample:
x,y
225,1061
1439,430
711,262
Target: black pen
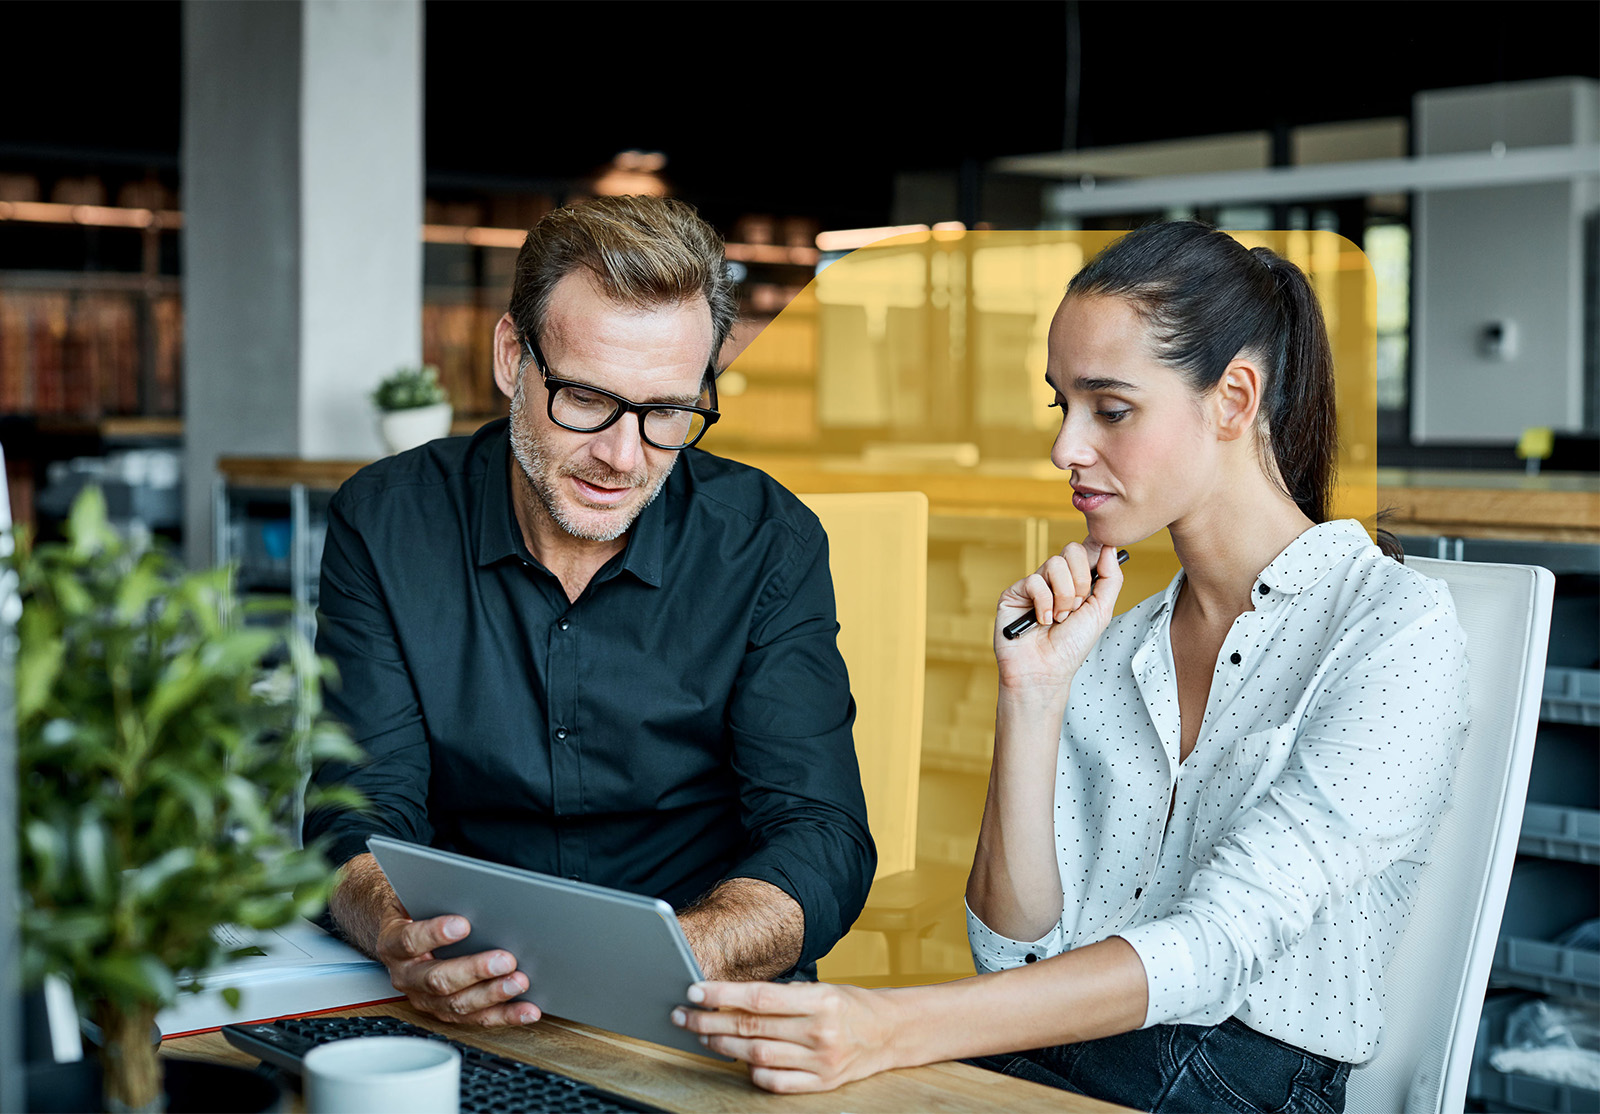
x,y
1018,625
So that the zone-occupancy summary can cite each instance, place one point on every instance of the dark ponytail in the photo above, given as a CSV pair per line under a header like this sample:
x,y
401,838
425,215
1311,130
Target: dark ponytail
x,y
1206,299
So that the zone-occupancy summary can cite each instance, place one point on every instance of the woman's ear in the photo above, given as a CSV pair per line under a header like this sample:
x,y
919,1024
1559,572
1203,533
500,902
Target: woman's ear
x,y
507,355
1237,397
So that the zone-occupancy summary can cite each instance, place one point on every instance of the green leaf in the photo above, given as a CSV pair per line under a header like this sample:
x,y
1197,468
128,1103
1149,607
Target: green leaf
x,y
137,978
231,995
86,523
39,662
149,878
92,851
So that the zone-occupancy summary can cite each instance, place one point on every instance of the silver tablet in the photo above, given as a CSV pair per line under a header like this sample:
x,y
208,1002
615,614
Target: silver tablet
x,y
611,959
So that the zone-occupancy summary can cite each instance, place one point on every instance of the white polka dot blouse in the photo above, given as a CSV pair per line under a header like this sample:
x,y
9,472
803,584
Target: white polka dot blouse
x,y
1300,821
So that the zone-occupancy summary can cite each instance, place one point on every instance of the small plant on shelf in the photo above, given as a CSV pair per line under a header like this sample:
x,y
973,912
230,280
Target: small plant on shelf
x,y
410,388
161,752
413,408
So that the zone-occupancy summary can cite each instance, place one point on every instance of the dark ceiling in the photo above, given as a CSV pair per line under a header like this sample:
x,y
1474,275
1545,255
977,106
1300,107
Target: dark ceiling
x,y
811,107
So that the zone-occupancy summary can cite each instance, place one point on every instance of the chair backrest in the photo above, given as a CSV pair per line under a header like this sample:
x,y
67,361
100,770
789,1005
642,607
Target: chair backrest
x,y
1433,988
878,554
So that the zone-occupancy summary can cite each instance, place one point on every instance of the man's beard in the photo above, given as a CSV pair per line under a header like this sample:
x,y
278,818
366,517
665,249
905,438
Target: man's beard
x,y
534,461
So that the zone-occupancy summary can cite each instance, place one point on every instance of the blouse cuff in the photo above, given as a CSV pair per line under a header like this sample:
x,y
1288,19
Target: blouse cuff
x,y
994,952
1169,971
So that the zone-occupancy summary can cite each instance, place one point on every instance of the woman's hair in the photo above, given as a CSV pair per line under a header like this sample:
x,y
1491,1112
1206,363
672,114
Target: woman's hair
x,y
1206,299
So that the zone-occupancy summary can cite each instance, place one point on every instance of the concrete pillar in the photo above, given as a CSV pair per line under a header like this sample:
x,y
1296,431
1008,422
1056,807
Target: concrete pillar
x,y
302,194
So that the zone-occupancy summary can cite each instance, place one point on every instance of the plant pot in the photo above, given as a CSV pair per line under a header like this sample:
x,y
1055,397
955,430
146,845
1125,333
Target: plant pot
x,y
406,429
190,1085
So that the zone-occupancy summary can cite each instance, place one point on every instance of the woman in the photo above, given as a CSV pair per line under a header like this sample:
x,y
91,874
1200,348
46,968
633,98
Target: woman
x,y
1206,817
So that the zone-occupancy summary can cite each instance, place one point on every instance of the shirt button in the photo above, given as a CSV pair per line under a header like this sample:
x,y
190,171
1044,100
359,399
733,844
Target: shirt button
x,y
1263,589
1236,659
1030,958
564,624
1138,890
561,732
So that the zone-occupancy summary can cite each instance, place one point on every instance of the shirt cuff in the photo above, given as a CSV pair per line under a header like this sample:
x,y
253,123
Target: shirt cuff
x,y
994,952
1169,971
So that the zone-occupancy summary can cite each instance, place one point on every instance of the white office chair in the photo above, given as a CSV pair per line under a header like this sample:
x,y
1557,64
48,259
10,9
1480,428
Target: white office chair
x,y
1433,989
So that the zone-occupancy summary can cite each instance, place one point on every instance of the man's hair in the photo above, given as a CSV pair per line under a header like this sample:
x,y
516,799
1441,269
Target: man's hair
x,y
644,251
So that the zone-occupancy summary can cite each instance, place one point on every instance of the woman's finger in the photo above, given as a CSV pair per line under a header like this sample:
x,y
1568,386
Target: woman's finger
x,y
757,997
1079,560
763,1053
785,1081
798,1030
1039,594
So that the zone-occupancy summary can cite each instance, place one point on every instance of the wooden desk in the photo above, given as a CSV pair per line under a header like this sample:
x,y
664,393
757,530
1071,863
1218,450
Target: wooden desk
x,y
678,1081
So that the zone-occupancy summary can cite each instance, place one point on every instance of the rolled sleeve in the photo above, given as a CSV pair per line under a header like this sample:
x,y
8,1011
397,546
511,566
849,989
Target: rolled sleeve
x,y
374,697
993,952
1364,786
790,719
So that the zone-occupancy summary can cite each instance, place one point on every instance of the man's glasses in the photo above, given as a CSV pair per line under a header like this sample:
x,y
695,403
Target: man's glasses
x,y
585,409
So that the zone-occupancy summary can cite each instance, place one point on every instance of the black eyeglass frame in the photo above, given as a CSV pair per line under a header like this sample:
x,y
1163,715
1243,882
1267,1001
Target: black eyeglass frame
x,y
624,406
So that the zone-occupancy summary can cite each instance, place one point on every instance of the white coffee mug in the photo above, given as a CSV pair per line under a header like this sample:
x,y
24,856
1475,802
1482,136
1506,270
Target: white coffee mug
x,y
383,1075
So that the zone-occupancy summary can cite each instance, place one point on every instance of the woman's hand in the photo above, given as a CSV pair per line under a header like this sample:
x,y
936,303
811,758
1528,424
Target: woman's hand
x,y
1071,609
795,1036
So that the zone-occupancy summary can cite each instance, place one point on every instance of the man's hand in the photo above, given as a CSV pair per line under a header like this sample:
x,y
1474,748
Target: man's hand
x,y
468,989
745,929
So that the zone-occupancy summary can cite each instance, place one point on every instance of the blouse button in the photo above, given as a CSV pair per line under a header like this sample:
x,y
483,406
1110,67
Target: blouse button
x,y
1137,890
1263,589
1236,659
561,732
1030,958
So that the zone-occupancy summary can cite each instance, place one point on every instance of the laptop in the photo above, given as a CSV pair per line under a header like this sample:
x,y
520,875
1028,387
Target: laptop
x,y
607,958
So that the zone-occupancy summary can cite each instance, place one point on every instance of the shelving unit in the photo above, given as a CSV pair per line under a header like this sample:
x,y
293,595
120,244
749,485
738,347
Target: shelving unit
x,y
1555,884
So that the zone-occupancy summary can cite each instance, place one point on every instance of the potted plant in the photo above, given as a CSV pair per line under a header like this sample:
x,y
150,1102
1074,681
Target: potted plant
x,y
413,408
161,751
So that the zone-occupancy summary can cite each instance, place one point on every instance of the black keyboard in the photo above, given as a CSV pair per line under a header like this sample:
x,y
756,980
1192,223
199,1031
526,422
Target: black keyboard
x,y
490,1084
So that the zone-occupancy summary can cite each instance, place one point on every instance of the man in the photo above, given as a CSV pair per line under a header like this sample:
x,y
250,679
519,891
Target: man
x,y
576,644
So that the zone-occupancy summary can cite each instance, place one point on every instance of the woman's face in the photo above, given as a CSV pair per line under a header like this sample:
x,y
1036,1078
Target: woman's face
x,y
1136,439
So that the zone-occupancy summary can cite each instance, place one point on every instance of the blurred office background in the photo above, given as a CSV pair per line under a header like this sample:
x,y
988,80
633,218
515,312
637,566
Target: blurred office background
x,y
222,224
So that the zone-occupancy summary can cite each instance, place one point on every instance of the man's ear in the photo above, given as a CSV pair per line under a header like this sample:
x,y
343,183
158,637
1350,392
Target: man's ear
x,y
1236,398
508,355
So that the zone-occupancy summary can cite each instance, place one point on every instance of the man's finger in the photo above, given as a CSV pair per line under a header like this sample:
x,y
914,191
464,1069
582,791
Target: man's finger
x,y
421,937
442,978
510,1013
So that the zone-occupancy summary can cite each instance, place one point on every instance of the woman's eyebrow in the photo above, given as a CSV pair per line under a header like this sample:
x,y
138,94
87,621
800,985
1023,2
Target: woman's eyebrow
x,y
1090,383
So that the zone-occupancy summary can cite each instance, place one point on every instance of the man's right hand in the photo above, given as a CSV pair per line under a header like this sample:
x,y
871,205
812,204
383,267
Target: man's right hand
x,y
468,989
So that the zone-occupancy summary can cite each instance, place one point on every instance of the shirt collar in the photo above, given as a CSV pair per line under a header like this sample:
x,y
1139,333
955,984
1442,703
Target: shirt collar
x,y
1302,563
500,538
1309,557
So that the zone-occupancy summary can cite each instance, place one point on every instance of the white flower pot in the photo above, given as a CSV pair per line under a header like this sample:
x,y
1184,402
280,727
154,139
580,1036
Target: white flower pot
x,y
406,429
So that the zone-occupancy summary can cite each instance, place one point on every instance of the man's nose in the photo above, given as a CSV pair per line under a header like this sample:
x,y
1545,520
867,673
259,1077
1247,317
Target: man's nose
x,y
620,446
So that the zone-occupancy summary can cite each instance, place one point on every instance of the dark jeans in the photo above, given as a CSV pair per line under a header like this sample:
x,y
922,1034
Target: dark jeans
x,y
1187,1069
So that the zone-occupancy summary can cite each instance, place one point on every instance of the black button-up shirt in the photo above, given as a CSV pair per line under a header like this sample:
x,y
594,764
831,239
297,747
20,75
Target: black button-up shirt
x,y
687,720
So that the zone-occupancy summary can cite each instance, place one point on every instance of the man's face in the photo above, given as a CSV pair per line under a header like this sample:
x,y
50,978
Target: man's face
x,y
594,485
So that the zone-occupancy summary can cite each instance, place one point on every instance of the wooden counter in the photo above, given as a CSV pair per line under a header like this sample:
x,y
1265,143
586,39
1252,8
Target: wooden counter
x,y
1556,507
676,1080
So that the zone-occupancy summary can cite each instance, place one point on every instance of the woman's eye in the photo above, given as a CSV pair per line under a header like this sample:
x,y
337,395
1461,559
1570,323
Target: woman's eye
x,y
1112,416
